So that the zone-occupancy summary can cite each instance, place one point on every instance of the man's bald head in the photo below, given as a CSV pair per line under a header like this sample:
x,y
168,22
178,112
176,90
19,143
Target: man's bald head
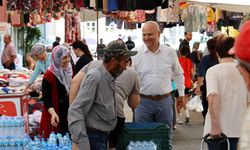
x,y
7,38
151,35
154,25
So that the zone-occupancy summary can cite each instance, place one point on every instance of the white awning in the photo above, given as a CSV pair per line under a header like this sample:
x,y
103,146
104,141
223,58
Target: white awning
x,y
229,5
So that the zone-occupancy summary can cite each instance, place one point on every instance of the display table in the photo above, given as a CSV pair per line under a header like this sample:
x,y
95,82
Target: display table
x,y
15,105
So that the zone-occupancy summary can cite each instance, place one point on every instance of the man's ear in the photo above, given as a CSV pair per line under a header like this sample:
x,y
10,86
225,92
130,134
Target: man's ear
x,y
245,74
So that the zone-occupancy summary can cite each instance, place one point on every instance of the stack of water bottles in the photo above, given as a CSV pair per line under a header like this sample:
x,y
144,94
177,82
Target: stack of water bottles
x,y
54,142
12,133
144,145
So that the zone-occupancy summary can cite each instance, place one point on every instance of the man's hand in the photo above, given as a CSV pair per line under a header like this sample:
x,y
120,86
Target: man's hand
x,y
181,101
75,146
215,131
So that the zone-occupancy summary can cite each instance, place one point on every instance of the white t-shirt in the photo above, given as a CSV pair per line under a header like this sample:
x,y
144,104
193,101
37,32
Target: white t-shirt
x,y
225,80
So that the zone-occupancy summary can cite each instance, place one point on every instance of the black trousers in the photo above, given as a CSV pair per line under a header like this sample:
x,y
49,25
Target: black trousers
x,y
12,66
114,134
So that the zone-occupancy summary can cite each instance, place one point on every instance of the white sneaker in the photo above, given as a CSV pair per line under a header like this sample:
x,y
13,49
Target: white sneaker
x,y
179,121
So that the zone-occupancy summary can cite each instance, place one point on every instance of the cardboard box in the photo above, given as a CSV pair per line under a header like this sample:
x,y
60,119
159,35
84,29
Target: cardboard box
x,y
15,105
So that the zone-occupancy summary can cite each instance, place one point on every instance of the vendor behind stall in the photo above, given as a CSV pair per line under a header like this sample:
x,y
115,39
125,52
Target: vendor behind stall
x,y
43,62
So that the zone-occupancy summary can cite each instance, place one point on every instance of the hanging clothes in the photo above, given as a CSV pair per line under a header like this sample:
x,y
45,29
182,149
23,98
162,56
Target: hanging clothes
x,y
194,18
170,14
3,11
72,27
112,5
78,4
129,25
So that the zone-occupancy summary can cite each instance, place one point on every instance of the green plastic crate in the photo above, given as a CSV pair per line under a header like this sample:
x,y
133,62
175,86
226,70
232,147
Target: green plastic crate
x,y
156,132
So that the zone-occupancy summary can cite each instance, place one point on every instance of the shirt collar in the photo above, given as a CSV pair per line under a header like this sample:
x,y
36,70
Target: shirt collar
x,y
107,75
146,50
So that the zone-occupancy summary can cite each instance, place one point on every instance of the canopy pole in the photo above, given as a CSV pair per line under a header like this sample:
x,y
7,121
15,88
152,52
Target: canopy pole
x,y
97,24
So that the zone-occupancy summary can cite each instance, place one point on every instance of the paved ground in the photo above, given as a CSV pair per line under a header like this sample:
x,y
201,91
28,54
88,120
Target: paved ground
x,y
186,136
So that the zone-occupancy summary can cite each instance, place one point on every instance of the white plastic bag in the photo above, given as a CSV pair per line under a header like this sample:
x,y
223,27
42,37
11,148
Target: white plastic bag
x,y
195,104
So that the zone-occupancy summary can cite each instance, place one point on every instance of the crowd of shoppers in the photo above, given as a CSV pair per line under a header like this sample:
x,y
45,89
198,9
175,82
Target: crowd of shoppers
x,y
90,105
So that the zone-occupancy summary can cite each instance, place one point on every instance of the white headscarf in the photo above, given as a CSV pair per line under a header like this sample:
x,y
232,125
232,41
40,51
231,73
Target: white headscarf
x,y
64,75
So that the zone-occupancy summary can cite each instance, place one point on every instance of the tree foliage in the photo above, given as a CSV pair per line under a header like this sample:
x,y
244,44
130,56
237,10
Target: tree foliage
x,y
32,35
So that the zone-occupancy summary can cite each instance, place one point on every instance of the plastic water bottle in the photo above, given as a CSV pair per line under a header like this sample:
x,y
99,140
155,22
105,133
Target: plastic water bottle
x,y
44,144
60,140
1,143
52,140
66,139
19,143
152,145
1,127
12,145
20,126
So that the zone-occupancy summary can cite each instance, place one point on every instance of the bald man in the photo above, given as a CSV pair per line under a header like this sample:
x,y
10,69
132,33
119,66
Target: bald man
x,y
9,53
156,65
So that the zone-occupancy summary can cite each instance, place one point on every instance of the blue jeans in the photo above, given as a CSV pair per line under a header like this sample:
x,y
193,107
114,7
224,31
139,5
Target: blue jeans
x,y
223,146
98,140
156,111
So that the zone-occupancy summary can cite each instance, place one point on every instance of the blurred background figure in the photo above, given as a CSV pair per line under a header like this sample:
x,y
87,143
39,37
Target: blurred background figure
x,y
187,37
57,42
30,62
9,53
99,49
82,51
130,44
195,57
188,69
84,41
43,62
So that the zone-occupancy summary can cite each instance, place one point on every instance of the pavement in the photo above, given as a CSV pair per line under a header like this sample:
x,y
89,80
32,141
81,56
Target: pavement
x,y
185,136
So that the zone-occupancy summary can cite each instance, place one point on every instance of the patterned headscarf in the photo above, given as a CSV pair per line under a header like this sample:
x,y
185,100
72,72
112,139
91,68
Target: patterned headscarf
x,y
37,49
64,75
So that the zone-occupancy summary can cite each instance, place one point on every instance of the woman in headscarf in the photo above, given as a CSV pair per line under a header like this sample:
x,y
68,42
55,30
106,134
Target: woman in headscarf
x,y
43,62
55,89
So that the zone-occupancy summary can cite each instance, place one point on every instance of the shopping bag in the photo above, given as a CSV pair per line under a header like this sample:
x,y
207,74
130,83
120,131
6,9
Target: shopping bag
x,y
192,103
195,104
199,107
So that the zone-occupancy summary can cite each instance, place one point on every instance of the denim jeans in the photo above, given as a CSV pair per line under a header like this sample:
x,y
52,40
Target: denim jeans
x,y
223,146
156,111
98,140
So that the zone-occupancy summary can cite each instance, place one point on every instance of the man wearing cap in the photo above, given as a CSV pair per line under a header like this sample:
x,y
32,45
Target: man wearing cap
x,y
92,115
39,51
156,65
242,52
9,53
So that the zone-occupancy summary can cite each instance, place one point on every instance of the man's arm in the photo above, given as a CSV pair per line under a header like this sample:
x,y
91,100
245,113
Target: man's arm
x,y
133,100
78,111
75,85
214,107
